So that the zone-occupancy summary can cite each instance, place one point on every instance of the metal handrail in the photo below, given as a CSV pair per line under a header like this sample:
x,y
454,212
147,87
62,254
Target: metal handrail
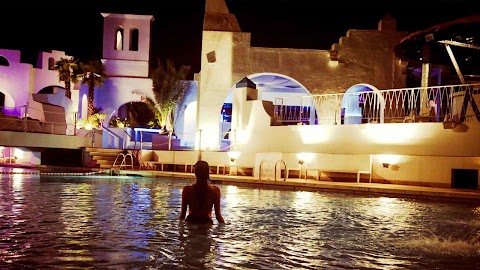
x,y
284,165
430,104
260,168
131,139
123,163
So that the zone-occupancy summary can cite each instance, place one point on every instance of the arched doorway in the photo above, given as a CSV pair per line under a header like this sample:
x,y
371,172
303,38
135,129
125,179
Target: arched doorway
x,y
133,114
271,87
8,105
361,103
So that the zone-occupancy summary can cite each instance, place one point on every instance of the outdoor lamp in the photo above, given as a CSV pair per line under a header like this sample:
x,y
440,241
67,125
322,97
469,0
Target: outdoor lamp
x,y
233,155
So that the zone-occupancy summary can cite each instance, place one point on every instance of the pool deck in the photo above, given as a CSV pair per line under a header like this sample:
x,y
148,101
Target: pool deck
x,y
391,190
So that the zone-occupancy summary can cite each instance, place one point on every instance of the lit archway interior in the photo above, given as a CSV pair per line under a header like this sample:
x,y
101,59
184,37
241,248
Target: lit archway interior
x,y
270,86
361,105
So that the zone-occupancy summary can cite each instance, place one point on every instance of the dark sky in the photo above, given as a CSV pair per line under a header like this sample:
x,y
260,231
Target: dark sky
x,y
76,26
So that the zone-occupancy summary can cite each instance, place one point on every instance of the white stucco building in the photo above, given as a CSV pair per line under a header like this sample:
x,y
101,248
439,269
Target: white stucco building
x,y
342,109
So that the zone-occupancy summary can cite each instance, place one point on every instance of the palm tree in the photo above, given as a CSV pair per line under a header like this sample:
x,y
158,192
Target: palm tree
x,y
169,88
93,73
67,72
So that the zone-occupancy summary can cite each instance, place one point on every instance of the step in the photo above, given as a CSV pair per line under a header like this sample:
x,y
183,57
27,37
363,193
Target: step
x,y
105,166
104,154
94,149
102,161
112,158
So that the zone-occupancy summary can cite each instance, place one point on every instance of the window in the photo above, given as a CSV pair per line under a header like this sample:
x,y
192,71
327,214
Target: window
x,y
4,61
119,39
51,63
134,40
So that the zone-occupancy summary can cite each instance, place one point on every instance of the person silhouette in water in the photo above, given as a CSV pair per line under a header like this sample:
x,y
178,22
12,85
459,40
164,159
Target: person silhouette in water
x,y
201,197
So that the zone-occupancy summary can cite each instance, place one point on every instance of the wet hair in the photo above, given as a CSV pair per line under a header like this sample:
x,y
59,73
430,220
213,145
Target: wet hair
x,y
202,170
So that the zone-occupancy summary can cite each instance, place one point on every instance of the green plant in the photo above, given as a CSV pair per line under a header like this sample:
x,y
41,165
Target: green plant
x,y
118,122
93,75
68,72
169,88
93,121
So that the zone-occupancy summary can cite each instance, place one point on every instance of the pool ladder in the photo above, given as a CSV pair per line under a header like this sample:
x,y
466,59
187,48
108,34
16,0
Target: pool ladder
x,y
123,164
281,161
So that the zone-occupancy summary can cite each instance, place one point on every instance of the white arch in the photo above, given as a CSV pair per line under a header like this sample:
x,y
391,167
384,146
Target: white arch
x,y
84,108
280,86
353,112
285,81
9,105
189,123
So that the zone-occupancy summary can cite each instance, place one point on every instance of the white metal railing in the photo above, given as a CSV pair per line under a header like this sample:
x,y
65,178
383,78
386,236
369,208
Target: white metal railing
x,y
30,119
432,104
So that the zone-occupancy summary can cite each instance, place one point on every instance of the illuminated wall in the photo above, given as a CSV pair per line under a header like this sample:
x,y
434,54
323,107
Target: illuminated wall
x,y
126,65
360,57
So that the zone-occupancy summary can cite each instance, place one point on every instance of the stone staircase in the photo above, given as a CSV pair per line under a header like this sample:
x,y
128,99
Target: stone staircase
x,y
101,157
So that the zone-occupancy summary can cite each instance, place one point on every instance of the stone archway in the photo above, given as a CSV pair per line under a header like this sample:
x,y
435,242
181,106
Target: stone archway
x,y
361,103
7,104
270,86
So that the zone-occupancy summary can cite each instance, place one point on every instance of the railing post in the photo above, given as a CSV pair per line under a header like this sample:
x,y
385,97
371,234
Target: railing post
x,y
93,137
233,134
200,139
74,123
25,117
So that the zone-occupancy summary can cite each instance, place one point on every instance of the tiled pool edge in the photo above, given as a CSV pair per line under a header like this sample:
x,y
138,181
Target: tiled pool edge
x,y
329,186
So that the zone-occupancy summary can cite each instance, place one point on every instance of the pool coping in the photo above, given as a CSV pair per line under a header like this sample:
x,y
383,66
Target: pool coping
x,y
393,190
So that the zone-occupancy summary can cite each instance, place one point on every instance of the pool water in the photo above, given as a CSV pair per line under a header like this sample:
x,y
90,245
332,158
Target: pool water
x,y
104,222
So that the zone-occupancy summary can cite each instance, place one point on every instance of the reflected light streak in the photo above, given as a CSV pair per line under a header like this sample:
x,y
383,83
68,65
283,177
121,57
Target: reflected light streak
x,y
231,196
333,64
391,207
17,182
302,198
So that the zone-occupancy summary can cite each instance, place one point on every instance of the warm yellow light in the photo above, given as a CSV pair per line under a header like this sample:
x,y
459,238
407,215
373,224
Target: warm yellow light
x,y
18,153
305,157
233,155
209,138
242,136
388,159
311,136
394,133
302,198
333,63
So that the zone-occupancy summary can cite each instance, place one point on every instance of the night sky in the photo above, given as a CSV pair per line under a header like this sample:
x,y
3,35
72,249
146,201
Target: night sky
x,y
76,26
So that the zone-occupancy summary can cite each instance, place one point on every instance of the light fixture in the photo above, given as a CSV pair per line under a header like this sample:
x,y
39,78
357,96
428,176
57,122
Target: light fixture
x,y
233,155
305,157
386,165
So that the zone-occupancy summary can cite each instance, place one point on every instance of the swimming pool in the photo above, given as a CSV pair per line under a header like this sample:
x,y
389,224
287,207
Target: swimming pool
x,y
92,222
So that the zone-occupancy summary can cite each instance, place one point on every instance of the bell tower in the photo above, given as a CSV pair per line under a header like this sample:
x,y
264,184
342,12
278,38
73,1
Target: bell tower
x,y
126,44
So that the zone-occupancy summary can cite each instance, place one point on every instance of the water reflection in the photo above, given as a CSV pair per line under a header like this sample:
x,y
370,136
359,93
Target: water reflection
x,y
132,223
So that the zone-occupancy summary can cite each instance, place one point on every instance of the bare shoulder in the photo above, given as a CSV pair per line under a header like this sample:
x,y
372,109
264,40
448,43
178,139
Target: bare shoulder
x,y
187,188
215,188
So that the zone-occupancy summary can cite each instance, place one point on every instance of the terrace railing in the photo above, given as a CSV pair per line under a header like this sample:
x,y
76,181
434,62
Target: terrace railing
x,y
35,120
421,104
